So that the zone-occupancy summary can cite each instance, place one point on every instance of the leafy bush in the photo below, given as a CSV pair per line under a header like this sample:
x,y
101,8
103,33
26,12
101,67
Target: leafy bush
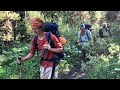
x,y
104,67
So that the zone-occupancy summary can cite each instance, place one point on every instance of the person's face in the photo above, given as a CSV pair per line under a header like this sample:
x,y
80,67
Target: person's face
x,y
37,29
83,29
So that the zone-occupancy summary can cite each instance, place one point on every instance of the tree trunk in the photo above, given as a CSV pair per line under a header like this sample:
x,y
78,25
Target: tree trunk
x,y
23,16
14,23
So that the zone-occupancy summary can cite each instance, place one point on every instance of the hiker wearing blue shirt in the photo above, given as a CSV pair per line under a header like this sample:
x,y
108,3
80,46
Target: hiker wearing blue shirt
x,y
84,36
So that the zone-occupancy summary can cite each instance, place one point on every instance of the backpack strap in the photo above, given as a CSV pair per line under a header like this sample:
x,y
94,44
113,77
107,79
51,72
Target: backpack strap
x,y
48,36
88,35
35,43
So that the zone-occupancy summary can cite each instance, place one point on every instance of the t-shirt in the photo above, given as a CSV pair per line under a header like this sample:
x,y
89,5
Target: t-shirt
x,y
40,43
85,37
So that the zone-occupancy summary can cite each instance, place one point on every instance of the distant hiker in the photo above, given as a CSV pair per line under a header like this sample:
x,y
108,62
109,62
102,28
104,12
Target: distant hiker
x,y
105,31
45,50
84,36
105,34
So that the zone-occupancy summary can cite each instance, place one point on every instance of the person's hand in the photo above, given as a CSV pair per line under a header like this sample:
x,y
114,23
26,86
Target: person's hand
x,y
19,60
47,46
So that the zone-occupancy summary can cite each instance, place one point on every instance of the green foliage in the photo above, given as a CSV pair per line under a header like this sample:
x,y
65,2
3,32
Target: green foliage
x,y
64,66
34,14
2,71
21,27
104,67
9,64
114,49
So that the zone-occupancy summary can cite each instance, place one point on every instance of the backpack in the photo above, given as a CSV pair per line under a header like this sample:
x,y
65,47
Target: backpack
x,y
101,33
88,26
50,28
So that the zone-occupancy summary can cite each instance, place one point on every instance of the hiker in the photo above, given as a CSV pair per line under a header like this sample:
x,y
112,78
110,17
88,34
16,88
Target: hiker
x,y
44,50
105,30
105,34
84,36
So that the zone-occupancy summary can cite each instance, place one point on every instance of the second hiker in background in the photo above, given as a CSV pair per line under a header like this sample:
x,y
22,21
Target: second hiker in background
x,y
84,36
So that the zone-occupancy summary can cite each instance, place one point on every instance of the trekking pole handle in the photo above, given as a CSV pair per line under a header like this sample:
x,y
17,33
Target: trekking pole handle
x,y
19,58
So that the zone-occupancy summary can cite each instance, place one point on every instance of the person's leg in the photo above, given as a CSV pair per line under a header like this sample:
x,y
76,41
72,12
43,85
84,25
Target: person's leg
x,y
45,73
41,72
83,55
56,72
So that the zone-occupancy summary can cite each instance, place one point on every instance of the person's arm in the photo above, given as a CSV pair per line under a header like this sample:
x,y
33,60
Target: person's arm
x,y
56,50
30,55
58,46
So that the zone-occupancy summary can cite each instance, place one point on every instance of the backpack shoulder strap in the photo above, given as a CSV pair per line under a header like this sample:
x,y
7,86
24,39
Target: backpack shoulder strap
x,y
35,42
87,35
48,37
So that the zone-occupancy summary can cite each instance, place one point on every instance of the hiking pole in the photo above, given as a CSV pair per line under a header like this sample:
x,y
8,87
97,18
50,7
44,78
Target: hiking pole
x,y
20,77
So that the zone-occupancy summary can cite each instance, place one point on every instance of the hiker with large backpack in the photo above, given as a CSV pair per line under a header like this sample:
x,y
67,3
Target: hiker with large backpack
x,y
48,46
84,36
105,34
105,31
